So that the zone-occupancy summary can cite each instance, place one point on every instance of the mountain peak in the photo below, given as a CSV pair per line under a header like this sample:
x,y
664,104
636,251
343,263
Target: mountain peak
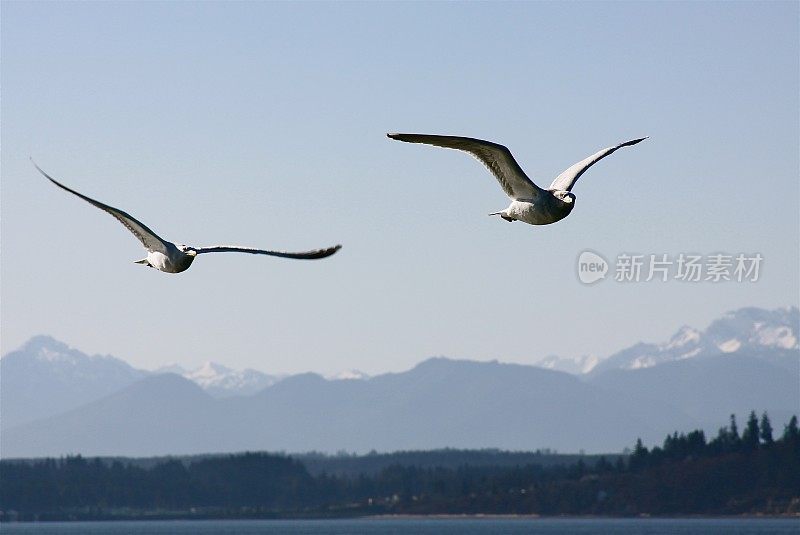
x,y
69,378
746,330
752,328
49,351
348,375
574,365
208,371
222,381
686,335
47,348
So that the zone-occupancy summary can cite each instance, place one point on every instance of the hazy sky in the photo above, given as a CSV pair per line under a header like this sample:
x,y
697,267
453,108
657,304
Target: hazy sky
x,y
264,124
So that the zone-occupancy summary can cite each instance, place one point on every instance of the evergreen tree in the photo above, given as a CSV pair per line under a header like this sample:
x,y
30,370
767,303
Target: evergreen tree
x,y
733,430
751,433
720,443
766,430
734,442
639,456
790,431
696,442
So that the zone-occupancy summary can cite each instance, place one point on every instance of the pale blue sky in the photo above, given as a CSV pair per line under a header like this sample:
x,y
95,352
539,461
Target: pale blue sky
x,y
264,124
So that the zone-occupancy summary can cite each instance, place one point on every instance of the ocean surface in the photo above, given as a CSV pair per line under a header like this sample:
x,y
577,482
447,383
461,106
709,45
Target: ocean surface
x,y
402,526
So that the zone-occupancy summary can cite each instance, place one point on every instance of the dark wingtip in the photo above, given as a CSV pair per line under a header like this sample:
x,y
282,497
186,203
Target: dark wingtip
x,y
40,169
393,135
633,141
324,253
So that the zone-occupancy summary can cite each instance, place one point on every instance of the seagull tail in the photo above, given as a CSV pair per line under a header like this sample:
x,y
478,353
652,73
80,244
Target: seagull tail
x,y
143,261
504,215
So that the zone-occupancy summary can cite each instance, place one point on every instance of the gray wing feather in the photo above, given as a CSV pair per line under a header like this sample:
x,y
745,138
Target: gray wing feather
x,y
149,239
566,180
496,158
306,255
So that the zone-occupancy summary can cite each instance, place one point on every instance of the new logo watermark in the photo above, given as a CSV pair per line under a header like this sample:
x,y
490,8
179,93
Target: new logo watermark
x,y
662,267
591,267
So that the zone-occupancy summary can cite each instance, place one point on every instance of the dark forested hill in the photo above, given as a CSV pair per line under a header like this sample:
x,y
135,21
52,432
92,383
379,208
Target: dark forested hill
x,y
737,472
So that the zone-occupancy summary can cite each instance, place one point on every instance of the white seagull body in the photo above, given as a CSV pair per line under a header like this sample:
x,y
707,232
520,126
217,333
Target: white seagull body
x,y
529,202
171,258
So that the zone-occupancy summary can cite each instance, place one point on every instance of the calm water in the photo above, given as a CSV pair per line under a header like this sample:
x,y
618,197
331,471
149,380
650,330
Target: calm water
x,y
417,527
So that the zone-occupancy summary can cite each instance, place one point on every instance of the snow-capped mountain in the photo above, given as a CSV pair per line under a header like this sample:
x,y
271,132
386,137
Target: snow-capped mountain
x,y
46,376
750,328
348,375
221,381
71,378
769,334
575,366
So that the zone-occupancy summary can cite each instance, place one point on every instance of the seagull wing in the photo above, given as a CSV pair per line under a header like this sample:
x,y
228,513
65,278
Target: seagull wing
x,y
149,239
496,158
306,255
566,180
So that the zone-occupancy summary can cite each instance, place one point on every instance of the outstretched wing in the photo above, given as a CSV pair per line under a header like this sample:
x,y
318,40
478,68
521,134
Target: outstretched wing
x,y
149,239
566,180
496,158
307,255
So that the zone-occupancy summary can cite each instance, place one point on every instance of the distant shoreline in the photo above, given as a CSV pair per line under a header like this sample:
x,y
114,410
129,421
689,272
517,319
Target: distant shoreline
x,y
533,516
153,517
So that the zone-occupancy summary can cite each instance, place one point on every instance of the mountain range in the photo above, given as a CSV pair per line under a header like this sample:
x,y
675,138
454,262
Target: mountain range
x,y
748,330
747,359
72,378
221,381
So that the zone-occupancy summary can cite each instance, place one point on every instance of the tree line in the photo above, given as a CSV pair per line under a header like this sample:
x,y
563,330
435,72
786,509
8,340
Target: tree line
x,y
751,472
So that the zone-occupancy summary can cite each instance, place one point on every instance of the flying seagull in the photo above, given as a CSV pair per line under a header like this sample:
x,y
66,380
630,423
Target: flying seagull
x,y
529,202
174,258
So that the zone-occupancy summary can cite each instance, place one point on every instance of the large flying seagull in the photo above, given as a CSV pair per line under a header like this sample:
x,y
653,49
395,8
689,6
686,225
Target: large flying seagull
x,y
174,258
529,202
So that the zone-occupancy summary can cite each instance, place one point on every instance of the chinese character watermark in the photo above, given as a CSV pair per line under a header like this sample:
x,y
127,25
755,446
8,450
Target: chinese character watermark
x,y
685,267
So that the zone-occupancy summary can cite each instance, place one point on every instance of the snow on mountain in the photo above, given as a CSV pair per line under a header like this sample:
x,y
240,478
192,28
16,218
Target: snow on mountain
x,y
752,331
755,327
686,336
211,373
71,378
221,381
46,376
58,355
347,375
575,365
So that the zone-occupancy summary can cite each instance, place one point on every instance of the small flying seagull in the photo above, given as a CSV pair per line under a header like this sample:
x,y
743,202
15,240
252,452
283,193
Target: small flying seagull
x,y
174,258
529,202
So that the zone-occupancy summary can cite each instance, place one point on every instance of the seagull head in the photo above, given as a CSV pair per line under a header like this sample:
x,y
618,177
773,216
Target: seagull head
x,y
185,249
564,196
